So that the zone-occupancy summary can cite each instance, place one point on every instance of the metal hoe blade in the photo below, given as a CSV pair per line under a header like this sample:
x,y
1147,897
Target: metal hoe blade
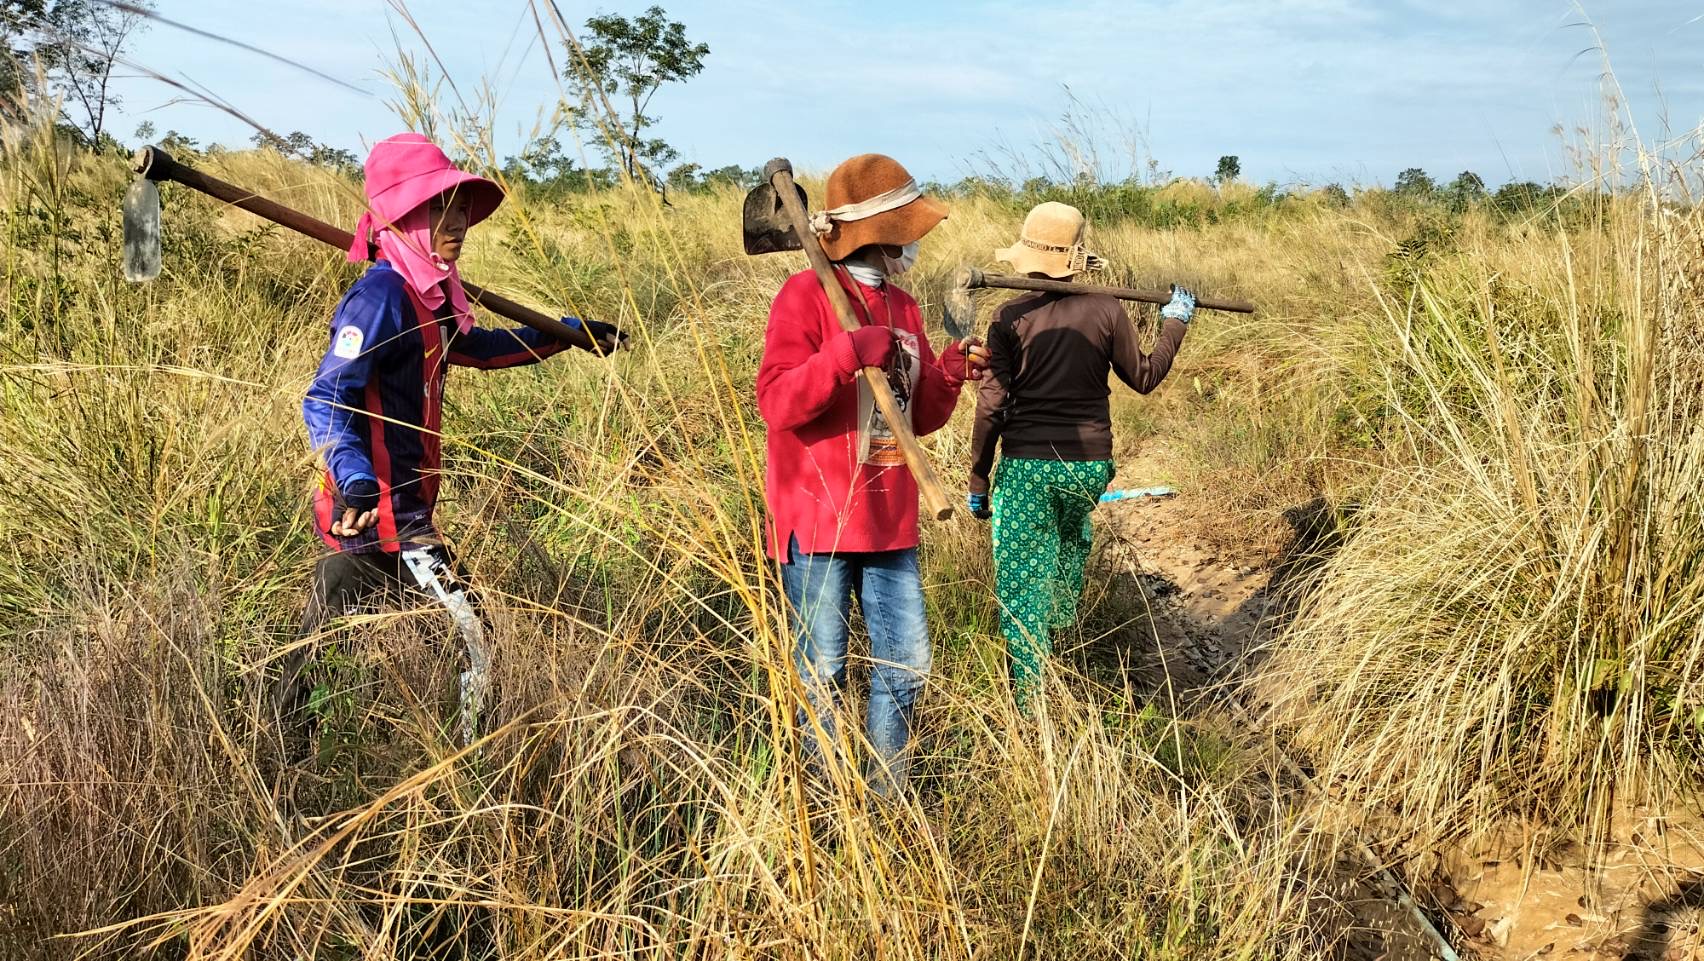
x,y
142,231
765,224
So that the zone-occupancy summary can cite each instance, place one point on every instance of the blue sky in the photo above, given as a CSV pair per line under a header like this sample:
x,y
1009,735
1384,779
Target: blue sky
x,y
1302,90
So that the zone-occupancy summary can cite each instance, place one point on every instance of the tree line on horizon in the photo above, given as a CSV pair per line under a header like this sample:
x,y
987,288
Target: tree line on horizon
x,y
68,50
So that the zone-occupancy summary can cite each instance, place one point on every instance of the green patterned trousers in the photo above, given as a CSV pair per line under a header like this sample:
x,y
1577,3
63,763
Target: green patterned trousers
x,y
1042,537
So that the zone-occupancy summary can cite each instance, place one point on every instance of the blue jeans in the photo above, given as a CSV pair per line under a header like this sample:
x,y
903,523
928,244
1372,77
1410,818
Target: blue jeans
x,y
819,590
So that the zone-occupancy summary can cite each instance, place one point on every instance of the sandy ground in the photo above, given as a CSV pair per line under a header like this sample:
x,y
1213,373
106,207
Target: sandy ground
x,y
1196,609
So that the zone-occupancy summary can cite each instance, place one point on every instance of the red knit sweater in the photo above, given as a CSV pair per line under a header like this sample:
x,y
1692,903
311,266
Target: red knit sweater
x,y
815,488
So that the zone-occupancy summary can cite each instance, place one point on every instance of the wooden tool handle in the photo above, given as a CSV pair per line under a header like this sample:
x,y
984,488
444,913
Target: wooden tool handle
x,y
973,278
779,173
157,165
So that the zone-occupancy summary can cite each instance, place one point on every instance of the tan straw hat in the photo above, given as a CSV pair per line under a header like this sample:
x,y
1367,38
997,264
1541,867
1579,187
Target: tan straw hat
x,y
1051,243
873,200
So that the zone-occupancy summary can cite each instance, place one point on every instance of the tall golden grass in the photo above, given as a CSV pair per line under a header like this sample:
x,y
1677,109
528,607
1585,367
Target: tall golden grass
x,y
1510,626
1514,627
640,793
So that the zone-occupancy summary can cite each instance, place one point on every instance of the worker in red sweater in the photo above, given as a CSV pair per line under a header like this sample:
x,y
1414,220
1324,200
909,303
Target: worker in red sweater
x,y
842,505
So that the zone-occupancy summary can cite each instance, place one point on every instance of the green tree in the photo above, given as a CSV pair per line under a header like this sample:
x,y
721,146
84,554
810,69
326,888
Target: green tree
x,y
335,158
630,60
303,147
545,165
686,177
294,144
1468,182
1466,190
95,36
1415,183
741,178
1335,195
76,44
541,162
180,144
19,20
1524,197
1230,168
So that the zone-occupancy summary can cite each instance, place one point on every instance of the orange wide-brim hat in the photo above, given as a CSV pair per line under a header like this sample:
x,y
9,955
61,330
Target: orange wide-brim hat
x,y
871,199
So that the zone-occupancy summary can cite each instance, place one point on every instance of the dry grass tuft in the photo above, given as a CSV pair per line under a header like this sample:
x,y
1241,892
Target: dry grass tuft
x,y
1504,411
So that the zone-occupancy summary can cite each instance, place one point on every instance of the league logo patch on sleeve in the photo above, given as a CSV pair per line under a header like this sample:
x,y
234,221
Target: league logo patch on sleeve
x,y
348,343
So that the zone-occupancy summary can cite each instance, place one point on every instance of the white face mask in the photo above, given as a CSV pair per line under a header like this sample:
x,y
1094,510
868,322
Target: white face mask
x,y
906,260
872,274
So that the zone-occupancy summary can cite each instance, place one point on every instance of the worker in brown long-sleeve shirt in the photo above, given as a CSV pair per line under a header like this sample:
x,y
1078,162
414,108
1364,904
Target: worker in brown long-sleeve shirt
x,y
1045,405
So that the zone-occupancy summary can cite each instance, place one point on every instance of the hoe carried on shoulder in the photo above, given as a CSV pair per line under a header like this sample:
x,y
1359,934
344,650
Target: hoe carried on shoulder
x,y
971,278
774,220
142,236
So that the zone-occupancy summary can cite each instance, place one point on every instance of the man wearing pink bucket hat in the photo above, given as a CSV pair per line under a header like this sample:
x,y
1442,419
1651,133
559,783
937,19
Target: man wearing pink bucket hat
x,y
374,407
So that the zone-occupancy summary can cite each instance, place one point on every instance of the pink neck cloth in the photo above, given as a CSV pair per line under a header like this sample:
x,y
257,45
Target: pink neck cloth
x,y
407,244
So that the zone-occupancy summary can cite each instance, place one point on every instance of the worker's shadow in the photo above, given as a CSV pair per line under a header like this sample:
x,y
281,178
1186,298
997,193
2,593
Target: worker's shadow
x,y
1662,919
1318,530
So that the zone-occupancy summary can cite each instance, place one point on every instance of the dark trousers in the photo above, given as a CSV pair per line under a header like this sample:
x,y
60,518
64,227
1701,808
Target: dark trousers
x,y
346,584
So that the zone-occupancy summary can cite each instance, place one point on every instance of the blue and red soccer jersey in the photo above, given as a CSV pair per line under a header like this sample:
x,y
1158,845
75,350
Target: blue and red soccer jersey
x,y
374,407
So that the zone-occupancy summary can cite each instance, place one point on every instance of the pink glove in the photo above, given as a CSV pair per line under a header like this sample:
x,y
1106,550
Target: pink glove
x,y
871,347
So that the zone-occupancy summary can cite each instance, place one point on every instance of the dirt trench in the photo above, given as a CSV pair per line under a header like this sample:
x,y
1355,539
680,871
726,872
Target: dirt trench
x,y
1207,608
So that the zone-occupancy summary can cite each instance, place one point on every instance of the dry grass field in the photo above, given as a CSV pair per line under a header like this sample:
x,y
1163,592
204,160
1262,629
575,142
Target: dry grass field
x,y
1489,634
